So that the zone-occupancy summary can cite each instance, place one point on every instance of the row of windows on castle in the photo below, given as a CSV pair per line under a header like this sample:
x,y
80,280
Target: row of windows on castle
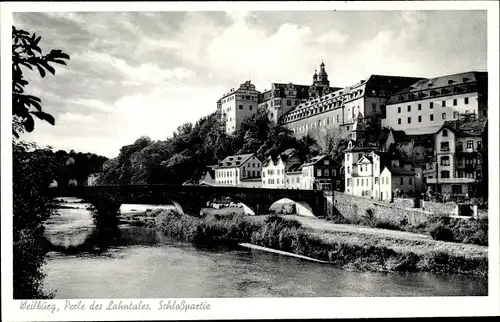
x,y
315,110
242,97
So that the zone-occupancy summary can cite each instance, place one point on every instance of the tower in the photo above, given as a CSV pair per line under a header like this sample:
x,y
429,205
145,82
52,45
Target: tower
x,y
323,76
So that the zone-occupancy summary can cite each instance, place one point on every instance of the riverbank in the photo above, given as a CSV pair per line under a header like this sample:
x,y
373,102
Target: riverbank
x,y
352,250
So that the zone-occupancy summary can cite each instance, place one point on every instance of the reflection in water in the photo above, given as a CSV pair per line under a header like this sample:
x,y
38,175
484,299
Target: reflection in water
x,y
143,263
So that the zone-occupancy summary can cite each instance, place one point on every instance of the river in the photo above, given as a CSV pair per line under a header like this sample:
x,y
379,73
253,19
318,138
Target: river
x,y
143,263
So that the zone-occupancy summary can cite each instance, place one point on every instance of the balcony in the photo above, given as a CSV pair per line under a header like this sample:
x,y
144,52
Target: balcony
x,y
451,180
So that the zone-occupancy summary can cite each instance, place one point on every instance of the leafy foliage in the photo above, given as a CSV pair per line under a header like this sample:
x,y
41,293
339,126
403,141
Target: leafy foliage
x,y
33,170
186,154
27,53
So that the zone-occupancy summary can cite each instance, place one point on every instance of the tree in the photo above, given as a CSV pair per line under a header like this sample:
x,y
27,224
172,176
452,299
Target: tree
x,y
33,168
27,53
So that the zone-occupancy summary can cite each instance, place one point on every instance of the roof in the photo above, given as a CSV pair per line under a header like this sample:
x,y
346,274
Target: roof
x,y
362,149
337,97
315,160
233,161
258,179
294,167
440,82
365,157
476,127
284,156
400,171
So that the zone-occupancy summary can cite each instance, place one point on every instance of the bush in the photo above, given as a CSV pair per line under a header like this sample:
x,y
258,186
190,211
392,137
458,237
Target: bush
x,y
441,232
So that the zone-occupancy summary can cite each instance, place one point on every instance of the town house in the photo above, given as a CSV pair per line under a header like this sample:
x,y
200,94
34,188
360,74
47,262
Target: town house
x,y
234,170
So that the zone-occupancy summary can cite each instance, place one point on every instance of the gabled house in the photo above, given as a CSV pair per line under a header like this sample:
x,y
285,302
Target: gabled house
x,y
459,164
274,170
235,169
380,176
320,173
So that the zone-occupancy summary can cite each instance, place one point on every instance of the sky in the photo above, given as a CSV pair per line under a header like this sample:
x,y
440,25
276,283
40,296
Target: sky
x,y
135,74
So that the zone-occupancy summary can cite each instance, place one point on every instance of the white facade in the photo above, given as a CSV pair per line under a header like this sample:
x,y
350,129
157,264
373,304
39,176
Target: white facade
x,y
293,180
232,170
237,105
307,179
369,178
274,173
429,114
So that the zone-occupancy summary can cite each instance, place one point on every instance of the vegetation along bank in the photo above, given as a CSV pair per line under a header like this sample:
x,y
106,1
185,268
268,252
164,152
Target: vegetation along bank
x,y
347,249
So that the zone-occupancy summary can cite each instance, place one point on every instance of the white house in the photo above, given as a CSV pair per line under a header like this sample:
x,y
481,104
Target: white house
x,y
234,168
274,172
378,176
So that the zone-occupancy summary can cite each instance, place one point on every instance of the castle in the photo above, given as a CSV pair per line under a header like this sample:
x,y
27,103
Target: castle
x,y
406,134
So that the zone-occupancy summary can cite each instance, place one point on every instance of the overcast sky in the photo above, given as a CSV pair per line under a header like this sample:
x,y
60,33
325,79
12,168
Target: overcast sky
x,y
145,73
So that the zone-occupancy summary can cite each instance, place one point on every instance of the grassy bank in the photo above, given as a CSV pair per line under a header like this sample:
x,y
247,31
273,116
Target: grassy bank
x,y
348,250
444,228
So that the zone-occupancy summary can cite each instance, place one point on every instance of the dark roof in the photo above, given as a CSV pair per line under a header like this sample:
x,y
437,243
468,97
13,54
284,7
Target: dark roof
x,y
362,149
476,127
400,171
399,136
284,156
315,160
294,167
426,84
251,179
234,160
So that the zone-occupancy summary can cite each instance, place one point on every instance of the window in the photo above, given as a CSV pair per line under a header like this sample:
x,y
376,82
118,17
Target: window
x,y
289,102
466,100
454,102
243,173
431,117
347,156
431,105
250,107
376,180
357,182
455,115
419,107
409,180
445,174
327,162
479,145
460,161
241,107
409,120
399,120
318,172
349,182
443,116
443,103
445,160
445,146
348,169
445,132
460,146
401,181
419,118
409,108
470,144
326,172
456,189
399,109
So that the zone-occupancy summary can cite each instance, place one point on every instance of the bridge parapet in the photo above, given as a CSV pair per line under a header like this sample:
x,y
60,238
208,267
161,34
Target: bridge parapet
x,y
193,198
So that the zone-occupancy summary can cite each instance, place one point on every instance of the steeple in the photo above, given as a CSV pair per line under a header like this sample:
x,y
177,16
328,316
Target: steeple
x,y
315,76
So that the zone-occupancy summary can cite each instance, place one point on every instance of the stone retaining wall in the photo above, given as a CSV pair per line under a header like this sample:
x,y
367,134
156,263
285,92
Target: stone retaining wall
x,y
355,209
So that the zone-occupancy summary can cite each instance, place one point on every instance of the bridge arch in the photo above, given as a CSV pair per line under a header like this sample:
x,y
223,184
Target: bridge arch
x,y
301,208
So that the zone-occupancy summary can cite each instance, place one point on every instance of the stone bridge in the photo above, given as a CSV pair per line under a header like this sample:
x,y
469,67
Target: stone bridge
x,y
189,199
